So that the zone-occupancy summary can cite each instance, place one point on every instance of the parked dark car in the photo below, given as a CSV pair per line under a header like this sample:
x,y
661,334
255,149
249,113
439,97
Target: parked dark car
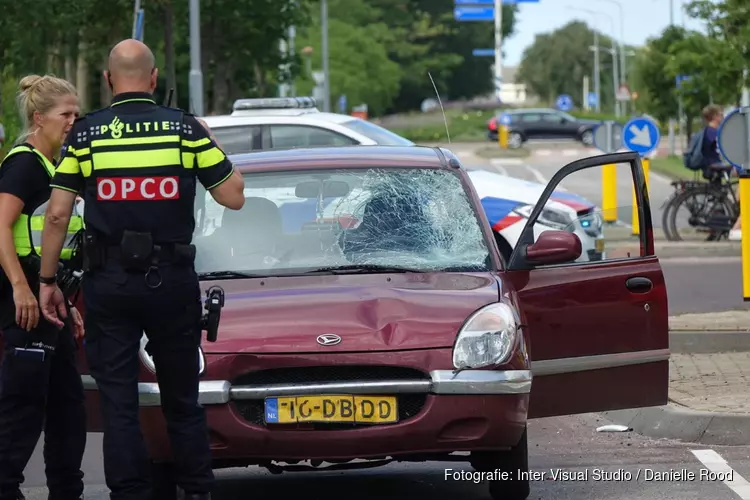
x,y
543,124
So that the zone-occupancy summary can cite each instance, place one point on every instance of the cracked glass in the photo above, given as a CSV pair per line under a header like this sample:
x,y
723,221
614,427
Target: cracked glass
x,y
294,222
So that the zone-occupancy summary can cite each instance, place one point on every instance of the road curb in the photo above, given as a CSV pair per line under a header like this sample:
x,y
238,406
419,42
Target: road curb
x,y
705,342
673,421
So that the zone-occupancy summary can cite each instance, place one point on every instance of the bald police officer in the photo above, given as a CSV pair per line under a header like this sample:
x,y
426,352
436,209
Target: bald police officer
x,y
136,163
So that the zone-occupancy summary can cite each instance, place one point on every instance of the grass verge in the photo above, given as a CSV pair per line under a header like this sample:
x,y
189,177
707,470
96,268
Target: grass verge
x,y
672,167
497,152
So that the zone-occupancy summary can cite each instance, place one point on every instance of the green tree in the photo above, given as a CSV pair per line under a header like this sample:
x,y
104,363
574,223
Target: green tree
x,y
654,82
557,62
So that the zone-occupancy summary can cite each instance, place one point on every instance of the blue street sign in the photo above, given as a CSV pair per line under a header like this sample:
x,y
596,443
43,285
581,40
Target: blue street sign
x,y
641,135
483,52
492,2
474,13
564,102
139,25
505,119
681,78
342,104
591,99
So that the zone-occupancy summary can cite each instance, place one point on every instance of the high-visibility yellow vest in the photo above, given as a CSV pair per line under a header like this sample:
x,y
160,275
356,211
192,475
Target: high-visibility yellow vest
x,y
27,230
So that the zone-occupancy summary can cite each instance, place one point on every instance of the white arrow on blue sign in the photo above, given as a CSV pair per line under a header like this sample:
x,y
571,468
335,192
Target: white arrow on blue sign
x,y
591,99
641,135
564,102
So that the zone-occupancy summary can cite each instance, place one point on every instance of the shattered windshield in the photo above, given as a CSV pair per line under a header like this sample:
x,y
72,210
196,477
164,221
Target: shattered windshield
x,y
311,221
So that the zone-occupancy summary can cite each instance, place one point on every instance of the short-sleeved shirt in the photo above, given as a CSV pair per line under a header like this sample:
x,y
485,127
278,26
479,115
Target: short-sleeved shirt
x,y
23,176
136,165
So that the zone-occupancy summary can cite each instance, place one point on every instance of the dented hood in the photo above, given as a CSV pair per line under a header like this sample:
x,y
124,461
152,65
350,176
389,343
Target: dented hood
x,y
378,312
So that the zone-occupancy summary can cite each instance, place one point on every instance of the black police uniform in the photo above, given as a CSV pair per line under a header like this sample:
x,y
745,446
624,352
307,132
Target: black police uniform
x,y
40,387
137,164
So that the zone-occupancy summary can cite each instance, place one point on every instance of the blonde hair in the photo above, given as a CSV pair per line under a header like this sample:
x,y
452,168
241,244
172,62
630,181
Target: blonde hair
x,y
39,94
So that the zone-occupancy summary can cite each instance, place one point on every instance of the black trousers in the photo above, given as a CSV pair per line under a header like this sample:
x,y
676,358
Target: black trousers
x,y
119,308
40,394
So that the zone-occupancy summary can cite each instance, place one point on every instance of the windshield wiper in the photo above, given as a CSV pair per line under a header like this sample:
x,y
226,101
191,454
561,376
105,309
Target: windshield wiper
x,y
229,275
362,268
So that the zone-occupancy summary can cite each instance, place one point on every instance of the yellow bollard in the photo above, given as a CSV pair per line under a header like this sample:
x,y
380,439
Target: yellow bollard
x,y
609,193
745,225
502,136
646,164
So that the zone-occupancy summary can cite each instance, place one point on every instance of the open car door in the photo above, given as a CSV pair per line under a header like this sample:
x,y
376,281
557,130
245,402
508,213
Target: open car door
x,y
594,309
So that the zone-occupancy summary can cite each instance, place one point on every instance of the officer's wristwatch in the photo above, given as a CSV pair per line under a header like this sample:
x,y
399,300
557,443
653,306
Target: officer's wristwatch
x,y
47,281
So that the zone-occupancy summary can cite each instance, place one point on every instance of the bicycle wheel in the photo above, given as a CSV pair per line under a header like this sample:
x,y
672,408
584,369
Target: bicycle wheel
x,y
709,216
667,208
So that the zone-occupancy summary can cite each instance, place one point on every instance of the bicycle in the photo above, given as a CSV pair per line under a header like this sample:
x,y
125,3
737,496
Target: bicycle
x,y
712,204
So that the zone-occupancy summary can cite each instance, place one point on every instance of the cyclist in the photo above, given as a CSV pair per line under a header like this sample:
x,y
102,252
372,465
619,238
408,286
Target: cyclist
x,y
714,167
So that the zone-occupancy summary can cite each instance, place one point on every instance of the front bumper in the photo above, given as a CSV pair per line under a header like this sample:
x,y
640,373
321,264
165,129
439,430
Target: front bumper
x,y
445,382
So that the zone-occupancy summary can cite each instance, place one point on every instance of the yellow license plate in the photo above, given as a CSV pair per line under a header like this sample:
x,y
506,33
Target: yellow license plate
x,y
332,409
600,246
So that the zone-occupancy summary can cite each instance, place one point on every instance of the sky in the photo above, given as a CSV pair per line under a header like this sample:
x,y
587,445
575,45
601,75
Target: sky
x,y
643,19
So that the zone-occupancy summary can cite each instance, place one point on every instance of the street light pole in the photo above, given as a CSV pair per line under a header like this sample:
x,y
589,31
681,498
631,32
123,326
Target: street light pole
x,y
326,74
196,74
498,49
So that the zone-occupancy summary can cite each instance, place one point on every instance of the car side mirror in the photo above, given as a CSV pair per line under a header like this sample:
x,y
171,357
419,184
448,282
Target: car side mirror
x,y
554,247
563,120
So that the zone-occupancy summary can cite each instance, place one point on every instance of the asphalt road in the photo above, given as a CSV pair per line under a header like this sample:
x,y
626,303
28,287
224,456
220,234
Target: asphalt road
x,y
704,284
569,444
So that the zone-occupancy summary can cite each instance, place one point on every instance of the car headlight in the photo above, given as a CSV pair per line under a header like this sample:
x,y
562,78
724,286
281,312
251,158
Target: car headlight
x,y
487,338
148,361
549,217
592,223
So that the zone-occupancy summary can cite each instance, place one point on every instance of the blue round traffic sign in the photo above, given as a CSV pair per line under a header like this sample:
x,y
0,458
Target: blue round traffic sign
x,y
505,119
564,102
641,135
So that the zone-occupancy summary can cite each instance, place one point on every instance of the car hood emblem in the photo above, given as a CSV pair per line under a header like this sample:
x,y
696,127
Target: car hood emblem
x,y
328,339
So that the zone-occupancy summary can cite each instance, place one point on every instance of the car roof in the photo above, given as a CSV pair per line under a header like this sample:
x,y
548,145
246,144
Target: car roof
x,y
258,119
347,157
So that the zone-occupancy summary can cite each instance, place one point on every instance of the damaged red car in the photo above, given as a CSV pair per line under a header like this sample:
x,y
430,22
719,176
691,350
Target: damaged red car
x,y
368,314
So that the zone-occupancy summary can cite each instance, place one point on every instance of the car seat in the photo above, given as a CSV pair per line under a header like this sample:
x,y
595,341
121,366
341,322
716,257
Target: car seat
x,y
391,221
246,237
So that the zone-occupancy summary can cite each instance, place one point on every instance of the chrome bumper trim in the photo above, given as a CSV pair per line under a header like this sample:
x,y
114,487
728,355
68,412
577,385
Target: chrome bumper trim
x,y
477,382
210,392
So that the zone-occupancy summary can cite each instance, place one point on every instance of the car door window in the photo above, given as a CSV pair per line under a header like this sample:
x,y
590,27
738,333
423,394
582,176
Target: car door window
x,y
531,118
596,312
238,139
302,136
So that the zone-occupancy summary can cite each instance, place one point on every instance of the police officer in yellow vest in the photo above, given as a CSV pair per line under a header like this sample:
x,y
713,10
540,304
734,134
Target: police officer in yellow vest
x,y
40,387
138,164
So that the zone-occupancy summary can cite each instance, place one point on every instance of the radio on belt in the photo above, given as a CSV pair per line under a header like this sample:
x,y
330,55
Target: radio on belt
x,y
210,320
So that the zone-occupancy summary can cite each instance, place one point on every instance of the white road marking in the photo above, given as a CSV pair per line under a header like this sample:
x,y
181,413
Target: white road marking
x,y
716,464
544,152
496,164
537,174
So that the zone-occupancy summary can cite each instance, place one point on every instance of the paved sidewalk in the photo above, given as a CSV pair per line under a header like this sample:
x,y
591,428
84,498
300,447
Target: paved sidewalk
x,y
727,321
711,382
